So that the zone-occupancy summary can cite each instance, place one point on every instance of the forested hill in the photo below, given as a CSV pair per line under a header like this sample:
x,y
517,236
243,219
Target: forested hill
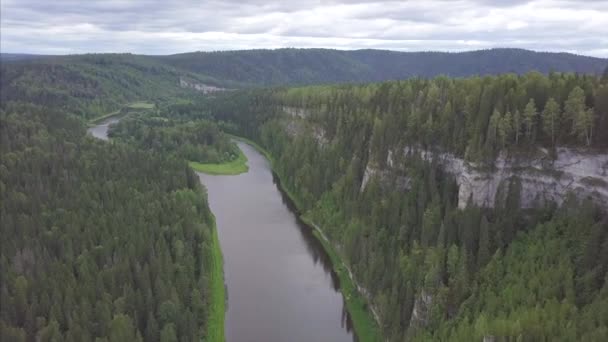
x,y
441,195
85,80
314,66
94,84
100,241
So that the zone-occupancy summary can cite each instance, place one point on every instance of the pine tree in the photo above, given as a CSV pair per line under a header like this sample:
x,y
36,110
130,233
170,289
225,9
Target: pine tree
x,y
493,128
517,125
483,251
551,119
581,117
505,128
530,117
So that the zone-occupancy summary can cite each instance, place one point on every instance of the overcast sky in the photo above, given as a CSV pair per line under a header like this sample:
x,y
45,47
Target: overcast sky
x,y
166,26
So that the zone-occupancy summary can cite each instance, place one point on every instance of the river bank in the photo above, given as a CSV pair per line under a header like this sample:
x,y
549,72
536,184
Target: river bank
x,y
233,167
217,301
365,321
140,105
217,308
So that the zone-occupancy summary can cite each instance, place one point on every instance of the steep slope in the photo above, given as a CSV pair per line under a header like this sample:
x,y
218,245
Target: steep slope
x,y
314,66
442,197
92,85
100,241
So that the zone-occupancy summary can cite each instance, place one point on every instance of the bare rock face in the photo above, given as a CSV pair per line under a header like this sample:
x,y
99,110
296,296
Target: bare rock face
x,y
296,111
421,311
203,88
542,179
296,124
388,178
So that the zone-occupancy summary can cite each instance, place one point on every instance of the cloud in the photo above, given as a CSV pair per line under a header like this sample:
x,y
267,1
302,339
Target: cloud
x,y
165,27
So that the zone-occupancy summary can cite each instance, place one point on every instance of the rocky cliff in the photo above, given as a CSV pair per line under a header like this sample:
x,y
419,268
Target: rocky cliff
x,y
203,88
542,178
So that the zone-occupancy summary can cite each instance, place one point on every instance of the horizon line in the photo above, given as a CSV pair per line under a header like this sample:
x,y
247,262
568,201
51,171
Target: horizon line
x,y
303,48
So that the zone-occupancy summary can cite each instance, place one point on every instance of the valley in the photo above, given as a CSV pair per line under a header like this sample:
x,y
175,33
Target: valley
x,y
435,208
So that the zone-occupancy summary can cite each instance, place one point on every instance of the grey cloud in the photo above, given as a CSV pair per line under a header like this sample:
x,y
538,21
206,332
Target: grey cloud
x,y
162,27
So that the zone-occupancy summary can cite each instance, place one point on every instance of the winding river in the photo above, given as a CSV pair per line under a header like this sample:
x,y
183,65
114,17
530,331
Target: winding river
x,y
100,130
279,280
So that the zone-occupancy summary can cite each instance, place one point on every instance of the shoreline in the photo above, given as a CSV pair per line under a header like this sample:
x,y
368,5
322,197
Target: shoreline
x,y
364,317
217,310
231,168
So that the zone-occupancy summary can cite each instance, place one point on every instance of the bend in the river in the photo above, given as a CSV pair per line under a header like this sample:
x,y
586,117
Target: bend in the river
x,y
280,281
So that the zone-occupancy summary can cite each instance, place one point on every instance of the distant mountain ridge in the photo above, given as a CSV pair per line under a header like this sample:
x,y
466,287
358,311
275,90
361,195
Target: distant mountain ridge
x,y
292,66
315,66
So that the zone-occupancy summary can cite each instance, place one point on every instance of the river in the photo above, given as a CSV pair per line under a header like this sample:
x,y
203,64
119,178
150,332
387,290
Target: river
x,y
101,129
280,283
279,280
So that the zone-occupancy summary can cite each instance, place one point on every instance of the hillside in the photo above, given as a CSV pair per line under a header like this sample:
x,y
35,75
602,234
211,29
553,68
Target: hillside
x,y
92,85
138,76
466,208
314,66
440,194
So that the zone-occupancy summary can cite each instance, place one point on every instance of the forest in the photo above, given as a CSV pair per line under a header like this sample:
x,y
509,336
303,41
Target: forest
x,y
432,270
199,141
101,241
114,241
92,85
319,66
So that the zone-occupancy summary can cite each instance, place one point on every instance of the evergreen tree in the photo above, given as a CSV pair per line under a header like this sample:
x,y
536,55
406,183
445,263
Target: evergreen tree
x,y
530,118
551,119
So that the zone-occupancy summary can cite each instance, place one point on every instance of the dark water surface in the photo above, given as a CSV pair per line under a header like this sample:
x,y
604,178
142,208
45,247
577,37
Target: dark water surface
x,y
279,279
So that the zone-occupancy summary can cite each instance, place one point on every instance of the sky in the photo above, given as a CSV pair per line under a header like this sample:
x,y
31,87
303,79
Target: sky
x,y
175,26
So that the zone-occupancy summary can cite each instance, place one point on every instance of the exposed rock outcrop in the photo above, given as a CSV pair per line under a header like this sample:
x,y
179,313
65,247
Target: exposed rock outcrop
x,y
203,88
296,124
421,311
388,177
543,179
296,111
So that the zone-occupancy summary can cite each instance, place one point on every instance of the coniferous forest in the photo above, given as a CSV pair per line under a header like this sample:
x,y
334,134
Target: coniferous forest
x,y
100,241
114,241
433,270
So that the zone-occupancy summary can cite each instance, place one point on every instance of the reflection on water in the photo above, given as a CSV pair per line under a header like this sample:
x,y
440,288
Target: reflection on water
x,y
279,279
101,130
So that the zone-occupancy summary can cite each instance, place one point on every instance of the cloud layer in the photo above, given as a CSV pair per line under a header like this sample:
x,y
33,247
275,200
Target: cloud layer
x,y
165,27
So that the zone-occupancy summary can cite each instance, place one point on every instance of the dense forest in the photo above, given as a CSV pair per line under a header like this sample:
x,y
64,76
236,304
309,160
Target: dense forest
x,y
85,81
198,141
113,240
316,66
100,241
434,271
92,85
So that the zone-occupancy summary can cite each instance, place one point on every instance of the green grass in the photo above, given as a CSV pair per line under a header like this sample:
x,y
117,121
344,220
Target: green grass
x,y
234,167
364,323
217,308
99,119
140,105
133,105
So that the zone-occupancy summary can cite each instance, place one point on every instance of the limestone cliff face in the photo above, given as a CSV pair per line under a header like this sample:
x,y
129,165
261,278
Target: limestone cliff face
x,y
421,311
203,88
543,179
